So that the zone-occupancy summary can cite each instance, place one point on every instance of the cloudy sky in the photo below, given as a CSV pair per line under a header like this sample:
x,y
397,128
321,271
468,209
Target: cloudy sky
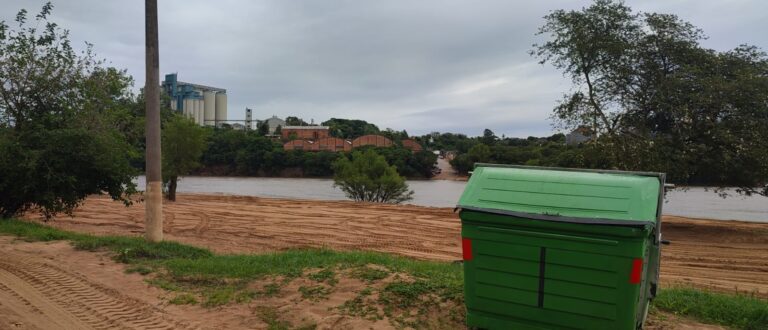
x,y
427,65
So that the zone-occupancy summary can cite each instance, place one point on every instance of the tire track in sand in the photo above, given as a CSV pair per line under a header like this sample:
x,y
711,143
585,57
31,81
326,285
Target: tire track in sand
x,y
64,300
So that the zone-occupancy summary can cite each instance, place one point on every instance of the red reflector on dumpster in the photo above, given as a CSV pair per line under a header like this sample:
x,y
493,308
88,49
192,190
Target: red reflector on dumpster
x,y
466,248
637,271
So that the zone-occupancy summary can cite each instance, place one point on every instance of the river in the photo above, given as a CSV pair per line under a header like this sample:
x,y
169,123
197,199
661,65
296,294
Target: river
x,y
693,202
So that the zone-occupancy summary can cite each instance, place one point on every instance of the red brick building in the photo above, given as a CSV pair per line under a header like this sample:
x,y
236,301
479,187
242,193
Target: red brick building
x,y
413,145
371,140
304,132
326,144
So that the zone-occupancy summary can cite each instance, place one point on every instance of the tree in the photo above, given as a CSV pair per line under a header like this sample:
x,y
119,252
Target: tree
x,y
262,128
295,121
657,100
61,122
278,130
183,144
489,138
350,129
480,153
367,177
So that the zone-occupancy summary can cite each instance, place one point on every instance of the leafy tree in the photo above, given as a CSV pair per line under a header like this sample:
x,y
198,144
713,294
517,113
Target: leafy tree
x,y
350,129
183,145
657,100
279,130
489,138
262,128
62,121
367,177
295,121
480,153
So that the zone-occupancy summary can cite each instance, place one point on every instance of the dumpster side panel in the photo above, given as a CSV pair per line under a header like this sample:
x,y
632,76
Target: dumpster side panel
x,y
520,277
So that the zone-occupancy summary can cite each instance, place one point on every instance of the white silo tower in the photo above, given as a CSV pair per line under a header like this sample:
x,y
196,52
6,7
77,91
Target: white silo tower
x,y
197,112
200,111
209,104
189,109
221,108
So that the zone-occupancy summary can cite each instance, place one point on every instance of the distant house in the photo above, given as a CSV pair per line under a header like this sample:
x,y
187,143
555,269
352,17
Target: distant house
x,y
304,132
238,126
578,136
273,123
371,140
327,144
413,145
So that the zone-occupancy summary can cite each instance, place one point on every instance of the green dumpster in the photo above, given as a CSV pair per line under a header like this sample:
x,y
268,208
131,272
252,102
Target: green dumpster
x,y
553,248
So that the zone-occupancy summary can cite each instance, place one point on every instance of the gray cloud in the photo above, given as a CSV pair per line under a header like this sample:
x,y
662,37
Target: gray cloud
x,y
430,65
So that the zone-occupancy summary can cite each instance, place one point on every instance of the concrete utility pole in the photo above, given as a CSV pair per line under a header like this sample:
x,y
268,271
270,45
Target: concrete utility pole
x,y
153,194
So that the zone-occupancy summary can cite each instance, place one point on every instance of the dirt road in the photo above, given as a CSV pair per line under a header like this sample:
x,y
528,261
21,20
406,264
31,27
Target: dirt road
x,y
39,291
727,256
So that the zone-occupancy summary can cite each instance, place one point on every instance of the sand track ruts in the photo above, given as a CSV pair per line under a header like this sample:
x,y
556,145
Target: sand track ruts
x,y
61,299
724,255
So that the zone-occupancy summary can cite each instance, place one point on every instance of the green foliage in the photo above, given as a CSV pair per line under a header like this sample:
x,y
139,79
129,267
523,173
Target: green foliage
x,y
658,100
183,143
488,137
349,128
737,311
324,276
183,299
367,177
63,118
262,128
126,249
369,274
295,121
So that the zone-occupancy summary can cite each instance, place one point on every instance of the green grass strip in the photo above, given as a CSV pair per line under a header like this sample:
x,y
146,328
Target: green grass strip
x,y
186,262
127,249
737,311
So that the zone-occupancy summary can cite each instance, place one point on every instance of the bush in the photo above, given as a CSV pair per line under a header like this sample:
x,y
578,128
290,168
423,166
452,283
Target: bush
x,y
367,177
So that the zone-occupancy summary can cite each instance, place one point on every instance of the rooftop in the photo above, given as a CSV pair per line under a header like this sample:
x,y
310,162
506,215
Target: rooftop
x,y
306,127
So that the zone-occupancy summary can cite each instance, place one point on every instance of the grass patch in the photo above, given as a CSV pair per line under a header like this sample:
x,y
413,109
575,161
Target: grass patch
x,y
126,249
183,299
270,290
271,317
141,269
219,296
325,275
292,263
369,274
737,311
361,306
315,292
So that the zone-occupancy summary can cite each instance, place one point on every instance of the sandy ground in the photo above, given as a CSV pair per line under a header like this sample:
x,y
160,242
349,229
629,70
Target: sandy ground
x,y
49,285
723,255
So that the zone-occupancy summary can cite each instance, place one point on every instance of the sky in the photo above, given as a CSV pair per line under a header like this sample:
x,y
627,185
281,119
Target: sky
x,y
420,66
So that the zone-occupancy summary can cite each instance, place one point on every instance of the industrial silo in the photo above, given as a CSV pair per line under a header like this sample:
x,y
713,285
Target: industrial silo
x,y
189,108
200,111
197,112
209,104
221,108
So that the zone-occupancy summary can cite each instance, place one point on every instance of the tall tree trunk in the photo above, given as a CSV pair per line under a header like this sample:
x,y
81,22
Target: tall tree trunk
x,y
154,191
172,188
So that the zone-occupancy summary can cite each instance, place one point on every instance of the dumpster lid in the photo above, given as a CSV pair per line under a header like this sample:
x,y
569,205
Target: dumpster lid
x,y
570,195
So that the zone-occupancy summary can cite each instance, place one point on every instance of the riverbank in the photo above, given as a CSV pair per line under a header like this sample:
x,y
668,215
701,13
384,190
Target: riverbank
x,y
51,278
725,256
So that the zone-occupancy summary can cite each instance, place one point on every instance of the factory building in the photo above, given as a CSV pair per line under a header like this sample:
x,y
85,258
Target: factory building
x,y
305,132
204,104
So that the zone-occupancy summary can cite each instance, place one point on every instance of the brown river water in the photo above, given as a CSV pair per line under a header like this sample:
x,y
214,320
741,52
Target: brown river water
x,y
694,202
